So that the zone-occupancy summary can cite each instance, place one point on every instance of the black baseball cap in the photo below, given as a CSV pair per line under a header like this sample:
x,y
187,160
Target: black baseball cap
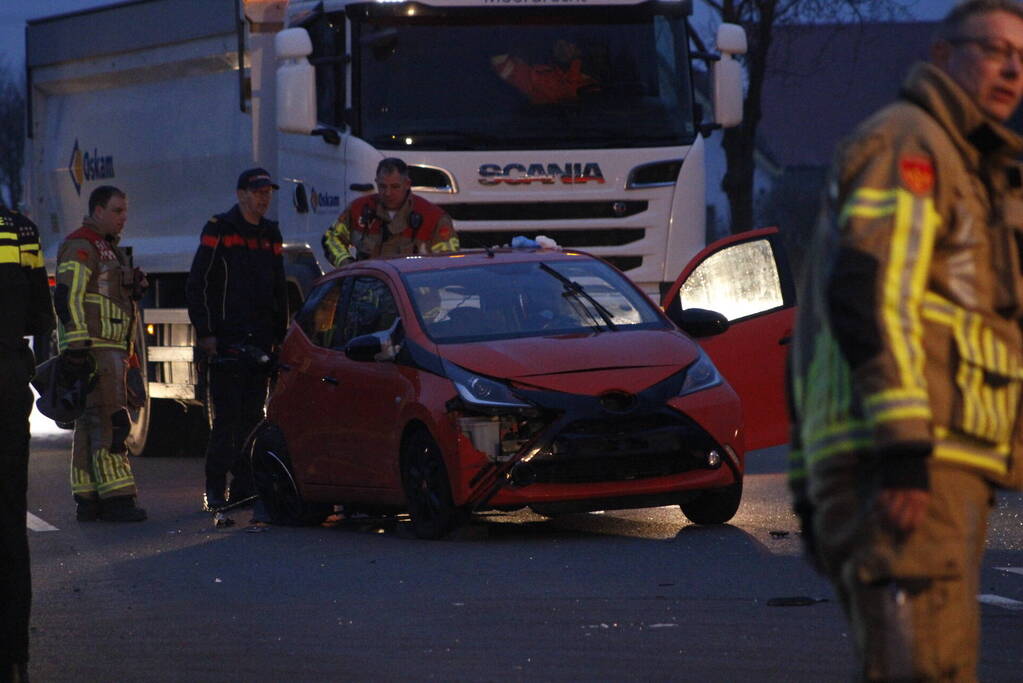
x,y
255,178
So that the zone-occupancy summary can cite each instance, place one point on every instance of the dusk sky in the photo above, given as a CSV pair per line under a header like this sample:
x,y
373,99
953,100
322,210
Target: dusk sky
x,y
14,14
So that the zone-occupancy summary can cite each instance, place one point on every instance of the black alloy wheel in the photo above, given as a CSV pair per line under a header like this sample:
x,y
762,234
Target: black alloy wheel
x,y
275,483
714,506
427,488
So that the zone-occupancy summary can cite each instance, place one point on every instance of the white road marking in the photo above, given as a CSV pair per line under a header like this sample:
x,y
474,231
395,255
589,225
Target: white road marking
x,y
36,524
999,601
1013,570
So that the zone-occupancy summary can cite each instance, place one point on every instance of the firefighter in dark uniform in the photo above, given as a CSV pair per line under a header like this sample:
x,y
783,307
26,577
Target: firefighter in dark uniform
x,y
27,310
237,301
389,223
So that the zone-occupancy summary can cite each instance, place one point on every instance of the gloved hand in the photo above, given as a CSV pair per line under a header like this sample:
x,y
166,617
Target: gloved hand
x,y
75,356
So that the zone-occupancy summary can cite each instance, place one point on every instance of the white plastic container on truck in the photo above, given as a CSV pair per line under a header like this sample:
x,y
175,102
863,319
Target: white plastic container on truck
x,y
171,99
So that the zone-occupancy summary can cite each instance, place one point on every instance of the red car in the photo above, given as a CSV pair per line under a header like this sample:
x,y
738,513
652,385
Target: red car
x,y
500,379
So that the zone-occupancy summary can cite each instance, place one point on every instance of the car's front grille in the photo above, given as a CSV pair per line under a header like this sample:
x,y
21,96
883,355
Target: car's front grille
x,y
590,451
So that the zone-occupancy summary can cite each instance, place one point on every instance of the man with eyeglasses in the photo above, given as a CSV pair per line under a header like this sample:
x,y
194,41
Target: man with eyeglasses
x,y
907,367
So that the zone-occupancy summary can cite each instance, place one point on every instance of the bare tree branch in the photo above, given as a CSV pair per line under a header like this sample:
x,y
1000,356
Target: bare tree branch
x,y
12,134
759,18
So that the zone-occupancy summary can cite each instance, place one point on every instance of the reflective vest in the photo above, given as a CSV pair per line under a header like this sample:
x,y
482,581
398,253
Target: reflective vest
x,y
419,226
93,293
909,331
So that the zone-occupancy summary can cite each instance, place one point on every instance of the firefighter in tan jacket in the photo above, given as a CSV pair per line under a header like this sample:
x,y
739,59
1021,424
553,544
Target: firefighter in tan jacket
x,y
908,359
95,309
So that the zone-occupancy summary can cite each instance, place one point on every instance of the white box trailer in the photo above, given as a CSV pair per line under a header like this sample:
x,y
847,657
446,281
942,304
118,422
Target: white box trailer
x,y
171,99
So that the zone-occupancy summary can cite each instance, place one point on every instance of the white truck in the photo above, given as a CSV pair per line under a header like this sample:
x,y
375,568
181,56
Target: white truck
x,y
575,119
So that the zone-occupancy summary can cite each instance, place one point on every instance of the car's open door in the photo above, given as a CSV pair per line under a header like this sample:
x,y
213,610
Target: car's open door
x,y
747,279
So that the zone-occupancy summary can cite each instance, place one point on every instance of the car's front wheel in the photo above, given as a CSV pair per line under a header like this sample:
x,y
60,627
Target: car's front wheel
x,y
427,488
714,506
275,483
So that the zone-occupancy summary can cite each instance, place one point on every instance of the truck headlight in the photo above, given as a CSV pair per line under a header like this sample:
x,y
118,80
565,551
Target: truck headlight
x,y
482,392
700,375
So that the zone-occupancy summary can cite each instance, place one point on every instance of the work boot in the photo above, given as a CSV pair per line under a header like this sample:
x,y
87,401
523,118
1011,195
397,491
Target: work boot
x,y
86,509
121,509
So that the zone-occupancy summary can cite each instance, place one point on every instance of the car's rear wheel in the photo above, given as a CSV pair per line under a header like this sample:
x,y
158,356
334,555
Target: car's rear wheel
x,y
275,483
424,479
714,506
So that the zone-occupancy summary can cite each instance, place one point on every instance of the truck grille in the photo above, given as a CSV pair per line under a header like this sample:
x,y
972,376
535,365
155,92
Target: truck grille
x,y
578,239
544,211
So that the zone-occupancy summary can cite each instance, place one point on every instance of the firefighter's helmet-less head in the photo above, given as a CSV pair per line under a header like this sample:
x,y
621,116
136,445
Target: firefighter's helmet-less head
x,y
63,387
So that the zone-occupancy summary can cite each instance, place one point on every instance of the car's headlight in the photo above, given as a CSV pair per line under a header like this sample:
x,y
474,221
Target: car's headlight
x,y
700,375
479,391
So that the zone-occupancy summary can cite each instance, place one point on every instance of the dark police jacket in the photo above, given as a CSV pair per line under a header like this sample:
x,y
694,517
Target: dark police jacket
x,y
24,290
236,288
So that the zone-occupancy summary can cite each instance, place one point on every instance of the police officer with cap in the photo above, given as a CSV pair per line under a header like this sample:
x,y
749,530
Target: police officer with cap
x,y
237,301
27,311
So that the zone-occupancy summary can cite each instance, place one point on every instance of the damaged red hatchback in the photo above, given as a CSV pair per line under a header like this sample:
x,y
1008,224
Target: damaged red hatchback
x,y
495,379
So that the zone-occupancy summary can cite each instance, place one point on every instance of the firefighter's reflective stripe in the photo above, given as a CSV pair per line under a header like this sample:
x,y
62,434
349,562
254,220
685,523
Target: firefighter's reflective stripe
x,y
989,375
954,447
337,241
113,330
868,202
79,275
446,246
110,472
914,222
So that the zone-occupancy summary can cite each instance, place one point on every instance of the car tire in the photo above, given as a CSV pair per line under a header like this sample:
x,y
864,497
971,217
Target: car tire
x,y
424,480
714,506
274,480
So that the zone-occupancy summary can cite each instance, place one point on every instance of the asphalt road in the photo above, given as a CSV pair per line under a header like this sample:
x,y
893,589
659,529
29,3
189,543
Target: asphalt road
x,y
638,595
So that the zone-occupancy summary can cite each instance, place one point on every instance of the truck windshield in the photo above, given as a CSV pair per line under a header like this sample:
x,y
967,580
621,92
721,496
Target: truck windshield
x,y
496,80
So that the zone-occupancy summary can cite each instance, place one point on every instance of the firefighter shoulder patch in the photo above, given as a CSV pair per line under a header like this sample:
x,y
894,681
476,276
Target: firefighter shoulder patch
x,y
917,174
82,255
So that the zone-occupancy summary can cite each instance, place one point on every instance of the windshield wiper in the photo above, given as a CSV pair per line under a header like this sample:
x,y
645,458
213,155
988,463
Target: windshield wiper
x,y
576,290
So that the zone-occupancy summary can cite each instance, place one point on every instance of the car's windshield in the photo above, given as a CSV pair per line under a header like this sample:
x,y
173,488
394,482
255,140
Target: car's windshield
x,y
503,301
497,80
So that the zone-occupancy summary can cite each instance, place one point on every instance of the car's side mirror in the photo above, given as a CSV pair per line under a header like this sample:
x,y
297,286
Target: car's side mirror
x,y
699,322
377,346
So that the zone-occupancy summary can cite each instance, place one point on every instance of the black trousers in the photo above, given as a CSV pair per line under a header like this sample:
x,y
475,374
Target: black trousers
x,y
15,579
237,392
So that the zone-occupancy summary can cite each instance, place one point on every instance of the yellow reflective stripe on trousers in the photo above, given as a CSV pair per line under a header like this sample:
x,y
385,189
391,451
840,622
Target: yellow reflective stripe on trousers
x,y
111,471
82,481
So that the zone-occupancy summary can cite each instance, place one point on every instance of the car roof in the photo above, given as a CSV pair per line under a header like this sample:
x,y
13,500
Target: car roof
x,y
471,257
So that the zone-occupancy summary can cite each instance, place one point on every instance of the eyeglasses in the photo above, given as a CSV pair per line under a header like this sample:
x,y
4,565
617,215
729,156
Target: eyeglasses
x,y
994,50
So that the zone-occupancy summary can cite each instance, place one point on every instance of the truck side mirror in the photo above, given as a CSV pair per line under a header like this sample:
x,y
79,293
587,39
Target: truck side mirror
x,y
726,76
296,82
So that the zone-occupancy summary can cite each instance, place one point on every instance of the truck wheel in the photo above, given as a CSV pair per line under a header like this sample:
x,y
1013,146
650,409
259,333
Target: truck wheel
x,y
275,482
424,479
714,506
